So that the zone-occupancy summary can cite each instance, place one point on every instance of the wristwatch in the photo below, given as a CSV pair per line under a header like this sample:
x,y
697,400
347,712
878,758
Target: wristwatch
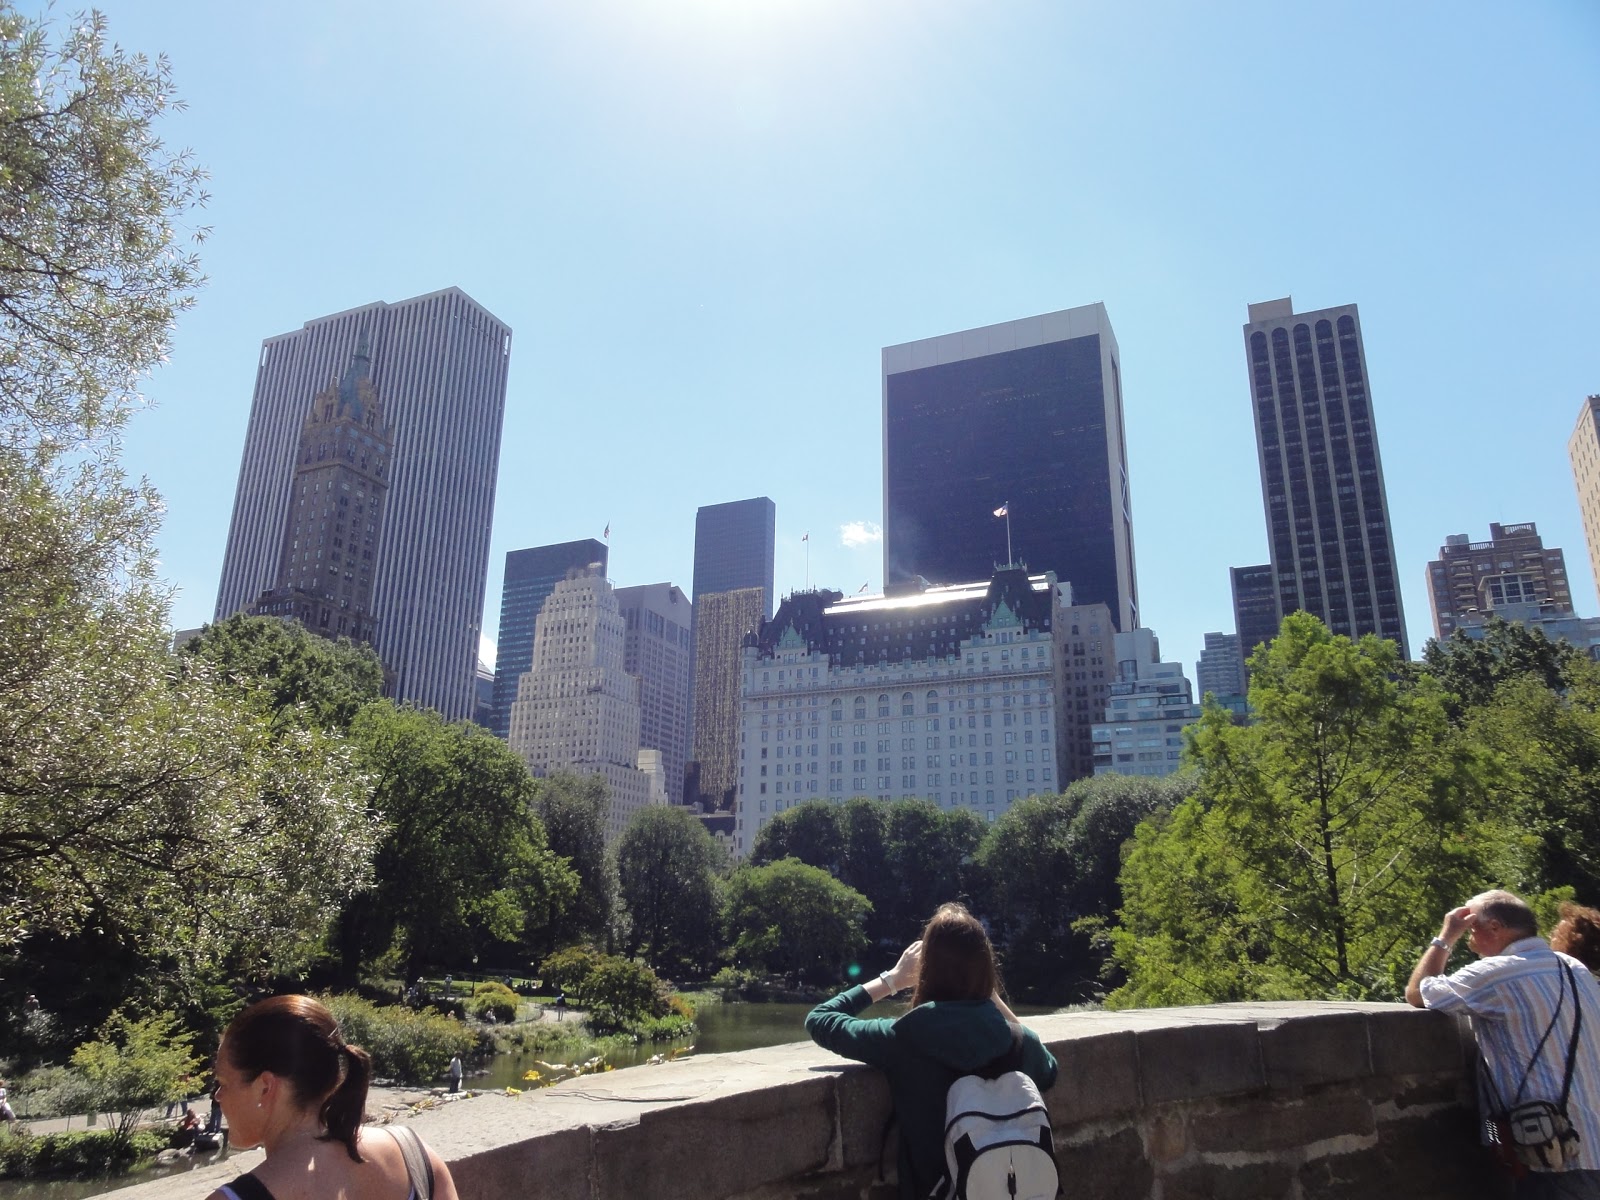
x,y
1439,943
883,978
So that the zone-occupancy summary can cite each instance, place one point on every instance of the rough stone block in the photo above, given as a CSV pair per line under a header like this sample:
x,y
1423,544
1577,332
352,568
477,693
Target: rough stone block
x,y
862,1096
1410,1041
719,1147
1193,1061
1112,1167
1213,1181
1098,1078
1281,1125
1315,1049
554,1166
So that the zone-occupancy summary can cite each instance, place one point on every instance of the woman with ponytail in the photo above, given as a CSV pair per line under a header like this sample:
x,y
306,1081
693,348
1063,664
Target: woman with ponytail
x,y
287,1081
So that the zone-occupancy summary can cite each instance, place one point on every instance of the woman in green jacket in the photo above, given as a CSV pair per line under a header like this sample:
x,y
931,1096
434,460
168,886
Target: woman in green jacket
x,y
957,1024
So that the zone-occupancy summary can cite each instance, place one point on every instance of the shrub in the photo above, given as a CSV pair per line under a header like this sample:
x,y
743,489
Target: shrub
x,y
85,1152
620,994
411,1046
665,1029
494,998
735,981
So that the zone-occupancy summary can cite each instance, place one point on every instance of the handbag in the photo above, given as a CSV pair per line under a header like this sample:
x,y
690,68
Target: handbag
x,y
1538,1134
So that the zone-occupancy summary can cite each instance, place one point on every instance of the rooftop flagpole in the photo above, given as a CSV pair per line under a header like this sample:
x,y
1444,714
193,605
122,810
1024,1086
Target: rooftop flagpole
x,y
1005,511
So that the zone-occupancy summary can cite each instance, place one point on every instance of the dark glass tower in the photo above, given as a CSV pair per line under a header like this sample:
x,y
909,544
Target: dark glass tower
x,y
1255,607
1328,529
531,575
734,547
1028,415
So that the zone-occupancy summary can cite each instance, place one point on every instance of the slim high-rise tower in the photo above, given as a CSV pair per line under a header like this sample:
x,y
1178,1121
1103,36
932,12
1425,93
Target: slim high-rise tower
x,y
341,477
439,361
1328,528
1583,448
656,652
1026,415
531,575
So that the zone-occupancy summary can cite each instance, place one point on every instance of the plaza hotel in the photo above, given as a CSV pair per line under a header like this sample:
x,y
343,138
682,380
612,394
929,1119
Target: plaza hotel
x,y
944,693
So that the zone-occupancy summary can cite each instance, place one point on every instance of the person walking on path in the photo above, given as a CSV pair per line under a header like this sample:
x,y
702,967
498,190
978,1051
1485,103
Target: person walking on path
x,y
1533,1011
289,1082
957,1024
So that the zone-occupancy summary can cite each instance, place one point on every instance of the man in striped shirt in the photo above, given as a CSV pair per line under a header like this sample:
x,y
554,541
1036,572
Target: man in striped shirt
x,y
1512,994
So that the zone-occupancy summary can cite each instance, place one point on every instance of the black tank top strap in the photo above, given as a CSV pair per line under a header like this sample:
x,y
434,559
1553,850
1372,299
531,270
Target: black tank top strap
x,y
248,1187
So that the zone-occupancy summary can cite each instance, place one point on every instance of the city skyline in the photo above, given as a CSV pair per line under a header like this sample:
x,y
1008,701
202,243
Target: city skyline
x,y
775,193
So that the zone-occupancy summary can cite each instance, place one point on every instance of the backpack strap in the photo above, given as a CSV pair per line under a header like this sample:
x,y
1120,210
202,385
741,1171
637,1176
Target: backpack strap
x,y
418,1166
247,1187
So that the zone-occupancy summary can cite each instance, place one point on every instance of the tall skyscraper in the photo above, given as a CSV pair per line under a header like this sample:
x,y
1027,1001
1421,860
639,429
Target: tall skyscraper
x,y
1025,415
734,547
734,550
1255,607
1084,637
1150,707
1512,569
576,708
531,575
656,652
721,621
439,361
336,501
1328,528
1584,451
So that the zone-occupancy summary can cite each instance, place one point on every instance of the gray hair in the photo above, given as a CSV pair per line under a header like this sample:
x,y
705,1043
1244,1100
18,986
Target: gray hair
x,y
1508,909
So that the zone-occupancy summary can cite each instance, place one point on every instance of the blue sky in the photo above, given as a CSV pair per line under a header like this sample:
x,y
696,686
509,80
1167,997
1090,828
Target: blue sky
x,y
704,218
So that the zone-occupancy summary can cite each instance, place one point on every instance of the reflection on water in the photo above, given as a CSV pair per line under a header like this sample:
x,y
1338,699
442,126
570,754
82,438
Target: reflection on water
x,y
76,1189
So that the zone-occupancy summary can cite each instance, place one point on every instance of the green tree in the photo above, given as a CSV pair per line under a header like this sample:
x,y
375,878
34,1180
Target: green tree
x,y
93,208
463,867
573,809
794,919
810,832
1472,670
1317,836
134,1066
1051,865
667,870
929,854
327,682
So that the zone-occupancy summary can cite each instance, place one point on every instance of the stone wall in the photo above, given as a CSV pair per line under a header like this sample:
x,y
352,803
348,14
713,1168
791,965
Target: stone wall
x,y
1304,1101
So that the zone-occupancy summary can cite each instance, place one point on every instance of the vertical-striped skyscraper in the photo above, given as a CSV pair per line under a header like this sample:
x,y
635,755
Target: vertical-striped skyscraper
x,y
440,363
657,652
531,575
1025,416
1328,528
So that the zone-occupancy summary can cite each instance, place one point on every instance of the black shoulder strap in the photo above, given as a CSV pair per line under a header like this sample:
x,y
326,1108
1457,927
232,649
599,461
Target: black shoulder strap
x,y
1545,1037
1572,1044
418,1167
248,1187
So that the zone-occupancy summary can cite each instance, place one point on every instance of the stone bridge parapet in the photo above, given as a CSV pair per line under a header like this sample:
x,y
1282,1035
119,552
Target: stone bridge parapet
x,y
1298,1100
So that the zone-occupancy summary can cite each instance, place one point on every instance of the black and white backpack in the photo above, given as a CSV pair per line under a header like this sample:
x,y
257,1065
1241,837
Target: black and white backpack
x,y
997,1143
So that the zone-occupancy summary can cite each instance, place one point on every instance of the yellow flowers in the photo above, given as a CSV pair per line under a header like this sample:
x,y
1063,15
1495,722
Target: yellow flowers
x,y
530,1076
511,1091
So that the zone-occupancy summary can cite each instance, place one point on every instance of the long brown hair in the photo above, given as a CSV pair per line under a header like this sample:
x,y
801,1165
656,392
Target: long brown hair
x,y
957,959
297,1039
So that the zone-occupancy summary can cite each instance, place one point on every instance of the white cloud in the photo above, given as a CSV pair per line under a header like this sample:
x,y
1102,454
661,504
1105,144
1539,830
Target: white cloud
x,y
860,533
486,650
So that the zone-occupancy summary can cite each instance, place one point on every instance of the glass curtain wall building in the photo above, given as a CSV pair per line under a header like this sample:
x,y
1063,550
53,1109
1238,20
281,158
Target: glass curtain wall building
x,y
1025,415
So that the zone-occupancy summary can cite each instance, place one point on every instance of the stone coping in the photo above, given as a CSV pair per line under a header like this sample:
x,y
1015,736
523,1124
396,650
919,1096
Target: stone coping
x,y
727,1125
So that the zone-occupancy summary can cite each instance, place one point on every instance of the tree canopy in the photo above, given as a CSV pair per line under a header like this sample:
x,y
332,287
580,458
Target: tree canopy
x,y
794,919
667,872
